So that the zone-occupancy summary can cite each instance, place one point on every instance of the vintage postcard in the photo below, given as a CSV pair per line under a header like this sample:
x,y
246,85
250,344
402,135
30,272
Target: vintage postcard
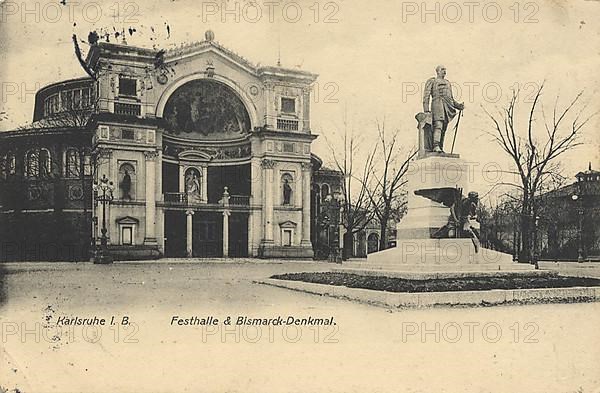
x,y
299,196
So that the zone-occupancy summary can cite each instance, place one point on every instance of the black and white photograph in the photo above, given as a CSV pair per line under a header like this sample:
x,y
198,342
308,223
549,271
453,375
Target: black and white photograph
x,y
299,196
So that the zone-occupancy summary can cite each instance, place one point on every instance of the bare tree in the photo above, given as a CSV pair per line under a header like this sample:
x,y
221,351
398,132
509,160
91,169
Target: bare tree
x,y
388,167
356,205
535,149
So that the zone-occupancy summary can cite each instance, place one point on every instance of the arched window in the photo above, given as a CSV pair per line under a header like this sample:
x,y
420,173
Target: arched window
x,y
287,189
7,165
127,183
32,163
373,243
73,163
38,163
11,163
324,192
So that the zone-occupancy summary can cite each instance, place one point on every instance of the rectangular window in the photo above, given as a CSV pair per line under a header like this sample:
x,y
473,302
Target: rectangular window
x,y
66,100
51,105
288,105
127,87
288,147
128,134
287,237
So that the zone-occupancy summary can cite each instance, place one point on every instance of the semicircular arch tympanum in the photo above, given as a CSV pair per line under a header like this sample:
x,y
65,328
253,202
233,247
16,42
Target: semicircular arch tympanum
x,y
205,109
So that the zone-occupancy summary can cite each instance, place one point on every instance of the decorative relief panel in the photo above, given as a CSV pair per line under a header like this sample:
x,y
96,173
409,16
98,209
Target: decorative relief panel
x,y
268,164
225,153
75,193
103,132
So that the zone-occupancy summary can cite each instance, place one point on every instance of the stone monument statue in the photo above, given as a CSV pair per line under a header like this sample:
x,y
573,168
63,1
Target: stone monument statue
x,y
192,185
126,185
287,192
440,231
442,111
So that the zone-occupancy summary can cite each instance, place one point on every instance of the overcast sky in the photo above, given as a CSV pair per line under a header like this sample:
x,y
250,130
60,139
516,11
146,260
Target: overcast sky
x,y
372,56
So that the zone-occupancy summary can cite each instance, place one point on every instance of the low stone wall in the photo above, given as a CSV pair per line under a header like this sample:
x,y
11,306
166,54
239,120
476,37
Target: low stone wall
x,y
430,299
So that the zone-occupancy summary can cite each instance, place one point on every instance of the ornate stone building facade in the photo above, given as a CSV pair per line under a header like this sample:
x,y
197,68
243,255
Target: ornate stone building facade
x,y
209,156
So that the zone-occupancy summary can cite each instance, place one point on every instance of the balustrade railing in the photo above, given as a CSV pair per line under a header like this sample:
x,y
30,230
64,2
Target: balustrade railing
x,y
127,109
239,200
181,198
176,197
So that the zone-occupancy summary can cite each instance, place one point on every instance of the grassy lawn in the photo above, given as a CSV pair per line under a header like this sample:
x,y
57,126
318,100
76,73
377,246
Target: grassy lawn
x,y
380,283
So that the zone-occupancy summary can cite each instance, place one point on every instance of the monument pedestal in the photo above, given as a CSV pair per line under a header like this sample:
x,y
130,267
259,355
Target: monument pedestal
x,y
436,175
434,171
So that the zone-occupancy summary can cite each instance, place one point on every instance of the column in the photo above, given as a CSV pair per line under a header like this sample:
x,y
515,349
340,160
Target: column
x,y
306,176
268,194
250,233
189,248
306,109
150,236
226,214
204,185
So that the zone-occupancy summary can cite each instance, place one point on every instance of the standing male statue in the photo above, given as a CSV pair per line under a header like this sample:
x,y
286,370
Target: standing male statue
x,y
287,192
126,185
443,106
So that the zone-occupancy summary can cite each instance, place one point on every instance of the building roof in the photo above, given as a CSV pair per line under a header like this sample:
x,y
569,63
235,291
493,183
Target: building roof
x,y
55,124
589,173
588,183
145,55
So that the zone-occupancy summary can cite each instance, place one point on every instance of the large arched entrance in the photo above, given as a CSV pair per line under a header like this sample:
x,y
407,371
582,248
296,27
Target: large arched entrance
x,y
206,150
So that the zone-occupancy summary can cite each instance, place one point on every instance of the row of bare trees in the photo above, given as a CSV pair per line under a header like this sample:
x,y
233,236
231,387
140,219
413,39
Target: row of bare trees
x,y
373,182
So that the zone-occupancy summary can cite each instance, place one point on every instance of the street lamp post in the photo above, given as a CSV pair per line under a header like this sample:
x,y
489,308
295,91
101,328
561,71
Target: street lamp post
x,y
536,250
577,199
333,220
105,189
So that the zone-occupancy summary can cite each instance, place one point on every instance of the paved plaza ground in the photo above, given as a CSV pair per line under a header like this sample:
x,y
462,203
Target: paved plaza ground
x,y
534,348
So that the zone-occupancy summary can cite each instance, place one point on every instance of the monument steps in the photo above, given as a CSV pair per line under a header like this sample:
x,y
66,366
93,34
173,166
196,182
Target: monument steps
x,y
486,267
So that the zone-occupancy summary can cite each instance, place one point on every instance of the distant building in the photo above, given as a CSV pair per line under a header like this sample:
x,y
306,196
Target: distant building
x,y
567,213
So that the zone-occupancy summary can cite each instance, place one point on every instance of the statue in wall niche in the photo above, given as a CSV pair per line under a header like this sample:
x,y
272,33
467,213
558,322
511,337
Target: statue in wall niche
x,y
192,186
462,221
287,192
126,185
443,109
